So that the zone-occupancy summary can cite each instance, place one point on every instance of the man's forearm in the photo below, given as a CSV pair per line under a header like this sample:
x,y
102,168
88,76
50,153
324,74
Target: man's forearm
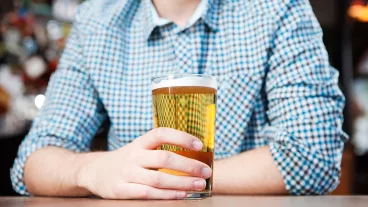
x,y
252,172
53,171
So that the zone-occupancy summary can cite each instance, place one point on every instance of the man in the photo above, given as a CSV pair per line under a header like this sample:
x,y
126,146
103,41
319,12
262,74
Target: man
x,y
279,107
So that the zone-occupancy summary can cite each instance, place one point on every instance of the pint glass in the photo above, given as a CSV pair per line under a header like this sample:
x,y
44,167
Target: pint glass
x,y
187,102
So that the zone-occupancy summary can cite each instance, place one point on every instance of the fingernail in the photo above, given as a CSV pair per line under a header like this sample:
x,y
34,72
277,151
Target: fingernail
x,y
181,194
197,145
199,184
206,172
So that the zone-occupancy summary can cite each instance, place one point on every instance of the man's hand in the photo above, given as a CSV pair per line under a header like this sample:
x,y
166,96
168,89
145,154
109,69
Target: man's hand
x,y
127,173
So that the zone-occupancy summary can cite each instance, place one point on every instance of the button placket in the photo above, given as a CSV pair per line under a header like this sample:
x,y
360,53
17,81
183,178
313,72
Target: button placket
x,y
183,53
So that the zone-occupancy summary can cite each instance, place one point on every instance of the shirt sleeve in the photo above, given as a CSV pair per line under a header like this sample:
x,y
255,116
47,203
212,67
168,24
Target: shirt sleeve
x,y
72,112
305,105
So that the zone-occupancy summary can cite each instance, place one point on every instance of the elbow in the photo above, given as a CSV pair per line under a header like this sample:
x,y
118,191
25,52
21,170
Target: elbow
x,y
25,174
17,178
327,181
306,172
318,181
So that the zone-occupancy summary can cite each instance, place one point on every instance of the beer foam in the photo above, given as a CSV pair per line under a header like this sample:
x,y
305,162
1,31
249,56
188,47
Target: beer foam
x,y
186,81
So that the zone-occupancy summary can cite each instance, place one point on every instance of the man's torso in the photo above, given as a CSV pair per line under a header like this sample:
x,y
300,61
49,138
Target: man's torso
x,y
121,61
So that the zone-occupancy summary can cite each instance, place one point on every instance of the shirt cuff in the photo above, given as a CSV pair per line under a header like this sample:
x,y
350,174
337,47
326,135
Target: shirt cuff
x,y
305,170
29,146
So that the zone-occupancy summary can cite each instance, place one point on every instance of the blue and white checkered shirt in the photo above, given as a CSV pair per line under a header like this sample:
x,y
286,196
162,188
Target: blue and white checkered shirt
x,y
276,85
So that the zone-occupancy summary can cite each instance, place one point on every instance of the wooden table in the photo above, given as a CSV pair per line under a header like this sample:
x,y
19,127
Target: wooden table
x,y
216,201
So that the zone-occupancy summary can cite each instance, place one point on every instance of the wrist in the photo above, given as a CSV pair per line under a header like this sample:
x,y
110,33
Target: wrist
x,y
83,171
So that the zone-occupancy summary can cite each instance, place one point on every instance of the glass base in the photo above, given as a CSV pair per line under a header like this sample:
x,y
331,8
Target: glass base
x,y
198,195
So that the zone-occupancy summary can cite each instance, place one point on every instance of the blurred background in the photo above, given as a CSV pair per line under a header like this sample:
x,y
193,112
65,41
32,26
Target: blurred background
x,y
33,35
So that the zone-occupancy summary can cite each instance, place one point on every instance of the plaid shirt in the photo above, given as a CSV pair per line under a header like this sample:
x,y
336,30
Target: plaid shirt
x,y
276,88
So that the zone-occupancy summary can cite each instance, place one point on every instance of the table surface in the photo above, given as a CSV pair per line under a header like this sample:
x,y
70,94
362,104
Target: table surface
x,y
216,201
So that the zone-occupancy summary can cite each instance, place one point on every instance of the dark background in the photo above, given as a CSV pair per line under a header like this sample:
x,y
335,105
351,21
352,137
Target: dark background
x,y
345,39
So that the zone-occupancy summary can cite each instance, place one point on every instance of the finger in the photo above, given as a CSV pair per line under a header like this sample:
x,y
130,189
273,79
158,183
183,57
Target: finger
x,y
139,191
165,181
159,136
168,160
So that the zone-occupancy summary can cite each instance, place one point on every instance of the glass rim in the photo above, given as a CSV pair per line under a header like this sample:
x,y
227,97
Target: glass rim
x,y
173,80
182,75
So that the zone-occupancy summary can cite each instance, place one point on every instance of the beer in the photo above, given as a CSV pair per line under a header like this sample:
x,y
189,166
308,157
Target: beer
x,y
188,104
